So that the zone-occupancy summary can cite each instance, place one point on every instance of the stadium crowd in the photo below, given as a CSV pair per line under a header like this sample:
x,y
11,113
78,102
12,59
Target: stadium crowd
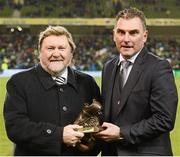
x,y
70,8
84,8
19,50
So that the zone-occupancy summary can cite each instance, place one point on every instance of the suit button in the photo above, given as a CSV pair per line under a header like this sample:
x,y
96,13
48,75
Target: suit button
x,y
61,89
64,108
49,131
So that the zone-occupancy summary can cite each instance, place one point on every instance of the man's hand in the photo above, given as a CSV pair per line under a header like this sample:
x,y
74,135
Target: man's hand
x,y
111,132
71,136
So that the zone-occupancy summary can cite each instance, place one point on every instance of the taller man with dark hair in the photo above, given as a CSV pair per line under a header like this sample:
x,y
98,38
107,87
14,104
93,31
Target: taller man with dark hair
x,y
139,93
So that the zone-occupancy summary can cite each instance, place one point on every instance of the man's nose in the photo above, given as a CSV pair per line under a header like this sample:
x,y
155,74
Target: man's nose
x,y
56,53
126,37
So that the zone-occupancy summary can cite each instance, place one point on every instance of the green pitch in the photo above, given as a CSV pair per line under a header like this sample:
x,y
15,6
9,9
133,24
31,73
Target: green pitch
x,y
5,144
6,147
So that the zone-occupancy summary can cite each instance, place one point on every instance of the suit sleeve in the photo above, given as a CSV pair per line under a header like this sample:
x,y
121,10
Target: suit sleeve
x,y
42,136
163,104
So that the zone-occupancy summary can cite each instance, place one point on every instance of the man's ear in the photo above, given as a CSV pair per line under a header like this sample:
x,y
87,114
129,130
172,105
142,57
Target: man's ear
x,y
145,36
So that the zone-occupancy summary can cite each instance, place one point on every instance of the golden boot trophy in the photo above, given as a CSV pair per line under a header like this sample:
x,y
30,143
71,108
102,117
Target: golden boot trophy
x,y
89,118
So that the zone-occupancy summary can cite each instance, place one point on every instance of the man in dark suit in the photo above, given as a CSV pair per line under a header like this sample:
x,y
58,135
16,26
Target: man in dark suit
x,y
42,103
140,98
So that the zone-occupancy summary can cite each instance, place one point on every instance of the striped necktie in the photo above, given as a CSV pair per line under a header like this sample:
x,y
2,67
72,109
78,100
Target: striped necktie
x,y
123,72
60,80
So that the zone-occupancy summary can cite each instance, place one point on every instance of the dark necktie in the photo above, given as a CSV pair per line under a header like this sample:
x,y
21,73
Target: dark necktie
x,y
60,80
124,71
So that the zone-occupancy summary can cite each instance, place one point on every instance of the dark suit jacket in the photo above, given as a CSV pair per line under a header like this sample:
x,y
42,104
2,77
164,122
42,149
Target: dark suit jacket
x,y
148,106
36,110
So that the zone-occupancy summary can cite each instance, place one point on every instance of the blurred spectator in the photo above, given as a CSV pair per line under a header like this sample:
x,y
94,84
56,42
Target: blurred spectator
x,y
4,65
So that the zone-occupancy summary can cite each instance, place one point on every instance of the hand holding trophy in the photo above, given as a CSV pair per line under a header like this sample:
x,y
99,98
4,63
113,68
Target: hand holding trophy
x,y
89,118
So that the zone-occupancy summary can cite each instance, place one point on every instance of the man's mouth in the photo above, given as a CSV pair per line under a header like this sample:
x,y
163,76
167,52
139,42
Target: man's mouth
x,y
55,60
126,46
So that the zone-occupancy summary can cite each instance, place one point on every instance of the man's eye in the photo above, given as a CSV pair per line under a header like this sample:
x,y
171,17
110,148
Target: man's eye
x,y
50,48
120,32
133,32
62,48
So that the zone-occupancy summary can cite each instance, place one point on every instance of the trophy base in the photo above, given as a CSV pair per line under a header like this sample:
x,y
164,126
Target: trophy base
x,y
90,129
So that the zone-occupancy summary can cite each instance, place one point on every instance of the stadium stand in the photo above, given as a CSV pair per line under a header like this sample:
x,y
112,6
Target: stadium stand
x,y
86,8
18,48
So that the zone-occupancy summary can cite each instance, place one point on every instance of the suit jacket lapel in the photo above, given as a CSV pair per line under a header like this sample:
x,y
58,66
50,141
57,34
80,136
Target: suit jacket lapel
x,y
110,91
134,75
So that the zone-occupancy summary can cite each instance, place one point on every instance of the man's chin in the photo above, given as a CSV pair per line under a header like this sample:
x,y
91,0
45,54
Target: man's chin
x,y
127,54
56,70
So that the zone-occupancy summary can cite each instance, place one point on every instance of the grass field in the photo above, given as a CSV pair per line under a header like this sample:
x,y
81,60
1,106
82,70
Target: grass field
x,y
6,147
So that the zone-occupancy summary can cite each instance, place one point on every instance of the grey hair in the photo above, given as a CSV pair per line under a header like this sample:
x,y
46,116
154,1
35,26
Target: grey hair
x,y
56,30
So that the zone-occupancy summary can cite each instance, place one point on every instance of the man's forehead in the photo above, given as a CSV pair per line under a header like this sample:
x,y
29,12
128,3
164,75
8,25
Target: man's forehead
x,y
129,20
129,24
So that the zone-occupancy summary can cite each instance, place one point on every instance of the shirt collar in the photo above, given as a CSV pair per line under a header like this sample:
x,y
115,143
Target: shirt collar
x,y
132,59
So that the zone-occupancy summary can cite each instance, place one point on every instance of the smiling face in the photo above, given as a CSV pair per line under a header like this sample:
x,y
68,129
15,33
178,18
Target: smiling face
x,y
55,54
129,36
